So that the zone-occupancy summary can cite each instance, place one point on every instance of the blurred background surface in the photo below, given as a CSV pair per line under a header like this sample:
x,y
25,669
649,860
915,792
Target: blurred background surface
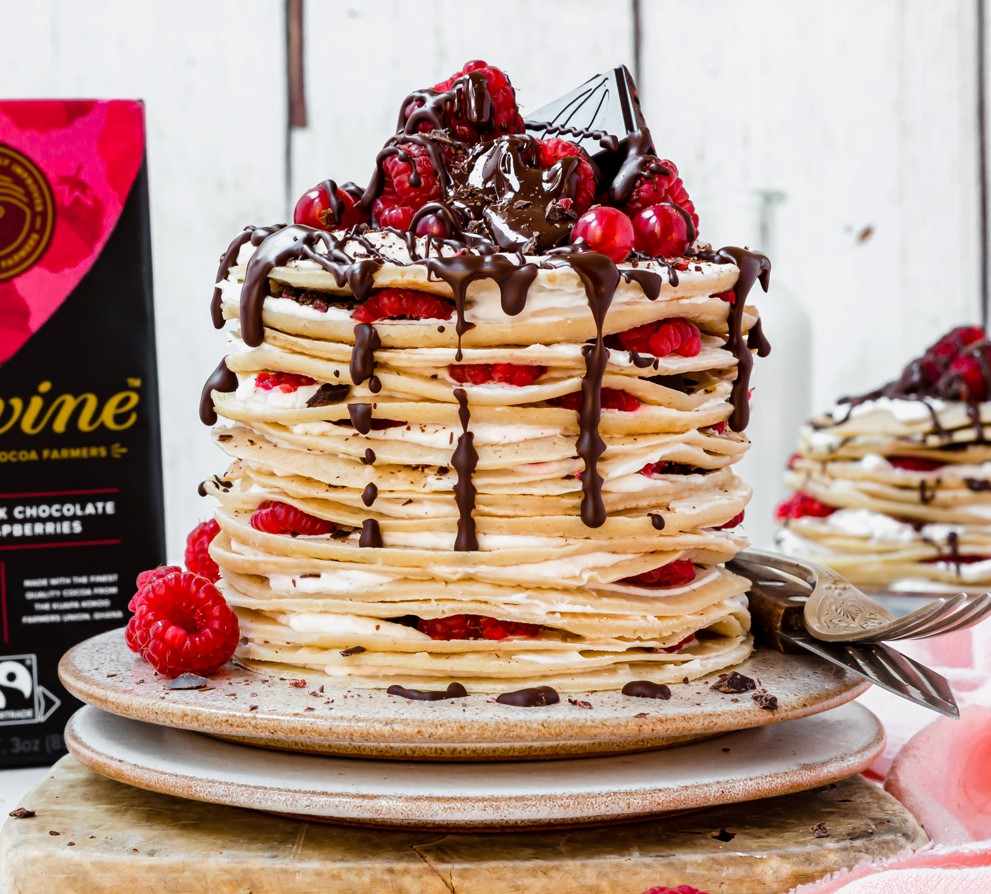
x,y
868,119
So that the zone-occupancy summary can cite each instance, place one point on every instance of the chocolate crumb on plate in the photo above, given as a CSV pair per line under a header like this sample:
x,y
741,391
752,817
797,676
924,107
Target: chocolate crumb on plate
x,y
189,681
22,813
535,697
647,689
579,703
733,682
765,700
819,830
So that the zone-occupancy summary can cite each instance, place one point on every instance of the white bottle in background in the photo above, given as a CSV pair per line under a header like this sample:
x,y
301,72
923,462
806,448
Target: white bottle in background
x,y
782,382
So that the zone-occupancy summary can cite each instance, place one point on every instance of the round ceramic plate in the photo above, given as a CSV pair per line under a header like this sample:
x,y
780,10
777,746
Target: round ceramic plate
x,y
307,716
741,766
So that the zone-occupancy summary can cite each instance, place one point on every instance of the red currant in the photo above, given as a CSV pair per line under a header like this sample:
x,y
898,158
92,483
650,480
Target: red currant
x,y
314,210
605,230
662,231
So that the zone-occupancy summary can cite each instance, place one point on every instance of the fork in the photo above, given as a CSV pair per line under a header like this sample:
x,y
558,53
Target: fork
x,y
836,611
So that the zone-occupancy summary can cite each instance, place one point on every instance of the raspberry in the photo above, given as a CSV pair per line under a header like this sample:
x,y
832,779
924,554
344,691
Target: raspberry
x,y
666,467
681,889
281,381
655,189
612,399
678,646
719,428
929,368
733,522
146,577
664,337
281,518
800,505
503,373
403,304
954,560
505,117
474,627
674,574
793,460
198,559
915,463
966,378
183,624
729,297
551,151
399,198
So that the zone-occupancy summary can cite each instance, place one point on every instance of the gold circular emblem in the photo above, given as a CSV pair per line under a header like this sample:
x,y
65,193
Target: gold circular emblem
x,y
27,213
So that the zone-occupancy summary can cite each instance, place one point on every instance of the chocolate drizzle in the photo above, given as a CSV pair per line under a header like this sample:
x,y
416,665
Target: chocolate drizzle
x,y
464,461
454,690
658,522
600,277
535,697
328,394
361,417
362,366
371,534
754,267
369,458
221,379
369,494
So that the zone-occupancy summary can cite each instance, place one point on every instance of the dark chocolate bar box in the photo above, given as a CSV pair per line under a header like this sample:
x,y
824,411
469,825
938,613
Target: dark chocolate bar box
x,y
80,454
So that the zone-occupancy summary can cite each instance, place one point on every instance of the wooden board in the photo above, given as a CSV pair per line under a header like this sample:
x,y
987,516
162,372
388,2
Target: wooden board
x,y
93,835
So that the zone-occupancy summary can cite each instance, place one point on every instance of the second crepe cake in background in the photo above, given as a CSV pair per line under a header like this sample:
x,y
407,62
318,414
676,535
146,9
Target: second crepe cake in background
x,y
483,412
893,487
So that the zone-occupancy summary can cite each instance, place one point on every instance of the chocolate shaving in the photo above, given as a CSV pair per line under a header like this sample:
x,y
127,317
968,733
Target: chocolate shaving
x,y
819,830
346,653
328,394
21,813
765,700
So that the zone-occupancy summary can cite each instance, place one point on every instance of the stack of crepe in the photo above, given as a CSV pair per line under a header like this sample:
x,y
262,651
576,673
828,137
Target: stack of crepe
x,y
326,604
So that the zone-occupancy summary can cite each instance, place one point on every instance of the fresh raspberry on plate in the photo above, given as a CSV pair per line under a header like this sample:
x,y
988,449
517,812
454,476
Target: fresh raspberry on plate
x,y
612,399
662,338
182,624
474,627
198,559
403,191
146,577
552,150
800,505
281,381
674,574
505,114
403,304
915,463
516,374
656,187
282,518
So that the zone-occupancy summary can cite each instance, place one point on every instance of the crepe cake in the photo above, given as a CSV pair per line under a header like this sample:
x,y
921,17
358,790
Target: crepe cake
x,y
482,413
893,488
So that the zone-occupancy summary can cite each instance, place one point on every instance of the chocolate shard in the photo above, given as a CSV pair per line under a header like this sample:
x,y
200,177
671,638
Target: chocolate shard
x,y
599,116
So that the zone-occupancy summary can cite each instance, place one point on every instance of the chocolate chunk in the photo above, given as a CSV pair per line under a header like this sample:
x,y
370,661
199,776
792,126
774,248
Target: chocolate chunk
x,y
819,830
580,703
765,700
455,690
354,650
189,681
22,813
646,689
535,697
328,394
722,835
733,682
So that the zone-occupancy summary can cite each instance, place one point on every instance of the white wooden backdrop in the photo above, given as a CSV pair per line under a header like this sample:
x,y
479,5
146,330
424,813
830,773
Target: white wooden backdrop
x,y
864,114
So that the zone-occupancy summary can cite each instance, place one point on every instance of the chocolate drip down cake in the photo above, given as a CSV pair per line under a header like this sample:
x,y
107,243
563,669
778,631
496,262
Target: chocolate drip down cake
x,y
482,414
893,487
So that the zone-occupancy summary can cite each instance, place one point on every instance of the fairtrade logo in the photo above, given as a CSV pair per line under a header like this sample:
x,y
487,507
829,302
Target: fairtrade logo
x,y
27,213
22,700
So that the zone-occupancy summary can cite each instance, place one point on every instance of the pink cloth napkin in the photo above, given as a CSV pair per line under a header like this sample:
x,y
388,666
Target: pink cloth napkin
x,y
941,770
